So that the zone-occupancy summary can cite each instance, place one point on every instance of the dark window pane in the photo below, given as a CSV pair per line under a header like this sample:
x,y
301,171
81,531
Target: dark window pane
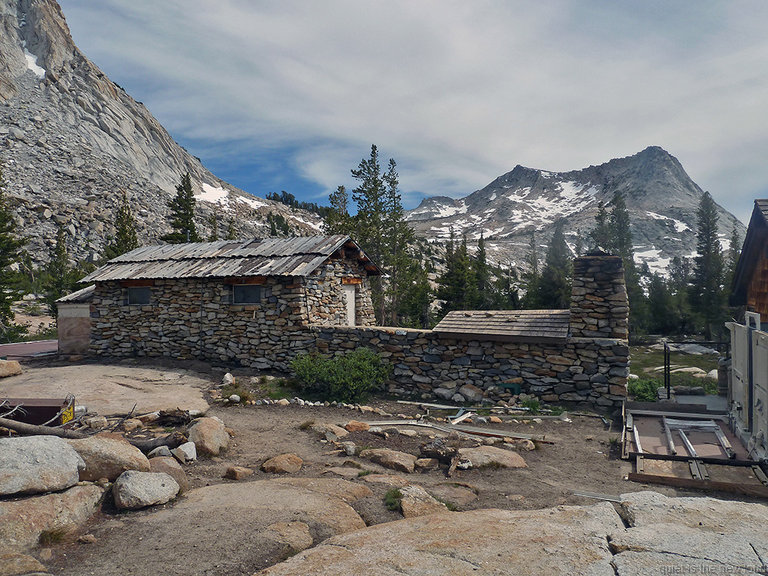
x,y
139,295
246,294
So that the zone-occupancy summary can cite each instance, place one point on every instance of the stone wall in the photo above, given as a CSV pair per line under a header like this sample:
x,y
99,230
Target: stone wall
x,y
589,368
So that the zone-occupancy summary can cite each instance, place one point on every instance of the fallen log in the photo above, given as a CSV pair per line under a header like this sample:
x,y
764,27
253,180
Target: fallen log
x,y
171,440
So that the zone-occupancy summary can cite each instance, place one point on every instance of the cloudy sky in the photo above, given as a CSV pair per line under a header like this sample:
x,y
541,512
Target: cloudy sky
x,y
290,95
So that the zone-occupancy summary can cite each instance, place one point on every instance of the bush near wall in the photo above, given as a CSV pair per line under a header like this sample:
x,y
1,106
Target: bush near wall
x,y
349,377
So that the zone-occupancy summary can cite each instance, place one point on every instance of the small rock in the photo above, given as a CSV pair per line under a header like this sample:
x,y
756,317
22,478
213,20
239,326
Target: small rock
x,y
209,436
427,463
417,502
526,445
132,424
495,420
234,399
87,539
458,398
96,422
227,380
349,448
283,464
160,451
9,368
408,433
185,453
324,429
283,402
393,459
237,472
148,418
356,426
134,490
170,466
378,431
387,480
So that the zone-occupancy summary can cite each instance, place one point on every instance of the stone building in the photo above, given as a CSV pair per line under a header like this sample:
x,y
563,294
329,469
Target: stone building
x,y
229,301
261,303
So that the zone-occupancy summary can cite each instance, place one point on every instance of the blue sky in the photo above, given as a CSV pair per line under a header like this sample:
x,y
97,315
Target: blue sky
x,y
290,95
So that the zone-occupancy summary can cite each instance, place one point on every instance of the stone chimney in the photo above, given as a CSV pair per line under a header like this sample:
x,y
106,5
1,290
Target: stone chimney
x,y
599,304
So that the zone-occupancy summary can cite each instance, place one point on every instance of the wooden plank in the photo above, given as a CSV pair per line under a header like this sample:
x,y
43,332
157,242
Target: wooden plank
x,y
687,443
760,475
758,491
668,434
637,440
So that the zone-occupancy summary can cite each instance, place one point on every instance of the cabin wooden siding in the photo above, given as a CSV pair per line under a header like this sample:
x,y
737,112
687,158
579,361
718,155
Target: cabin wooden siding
x,y
757,291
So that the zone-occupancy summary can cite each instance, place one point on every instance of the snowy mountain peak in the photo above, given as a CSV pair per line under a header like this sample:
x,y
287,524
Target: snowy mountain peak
x,y
661,199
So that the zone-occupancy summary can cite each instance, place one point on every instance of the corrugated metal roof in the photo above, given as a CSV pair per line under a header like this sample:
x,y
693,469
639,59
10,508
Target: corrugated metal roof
x,y
269,257
82,296
506,325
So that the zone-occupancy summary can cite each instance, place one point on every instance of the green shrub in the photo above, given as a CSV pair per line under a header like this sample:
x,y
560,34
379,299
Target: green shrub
x,y
643,389
351,377
392,499
532,404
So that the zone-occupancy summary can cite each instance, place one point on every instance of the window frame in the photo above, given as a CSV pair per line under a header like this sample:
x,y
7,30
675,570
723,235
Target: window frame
x,y
236,302
138,290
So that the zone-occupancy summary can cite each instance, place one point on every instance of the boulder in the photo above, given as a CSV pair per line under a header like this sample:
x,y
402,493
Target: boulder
x,y
134,490
209,436
170,466
471,393
295,535
160,451
36,464
387,479
283,464
336,487
20,565
457,494
23,521
9,368
563,540
393,459
108,456
444,393
417,502
490,456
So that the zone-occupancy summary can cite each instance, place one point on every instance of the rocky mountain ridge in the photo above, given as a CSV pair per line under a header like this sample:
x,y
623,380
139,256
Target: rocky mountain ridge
x,y
661,199
71,140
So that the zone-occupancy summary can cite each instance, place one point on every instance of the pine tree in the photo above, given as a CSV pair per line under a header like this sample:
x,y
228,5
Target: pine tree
x,y
369,221
231,232
707,295
10,253
734,252
417,300
555,285
213,224
481,270
125,238
456,286
183,214
399,238
338,220
601,235
531,277
60,275
620,244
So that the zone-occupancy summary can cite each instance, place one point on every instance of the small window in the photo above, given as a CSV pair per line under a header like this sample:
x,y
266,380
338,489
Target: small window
x,y
246,294
139,294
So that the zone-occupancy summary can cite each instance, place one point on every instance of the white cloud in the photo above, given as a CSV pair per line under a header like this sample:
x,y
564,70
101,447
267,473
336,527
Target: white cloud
x,y
457,92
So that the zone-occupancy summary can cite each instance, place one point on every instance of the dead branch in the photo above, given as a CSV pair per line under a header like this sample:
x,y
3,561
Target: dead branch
x,y
171,440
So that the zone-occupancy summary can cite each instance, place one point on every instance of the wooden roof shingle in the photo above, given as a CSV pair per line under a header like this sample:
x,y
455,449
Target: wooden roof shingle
x,y
298,256
506,325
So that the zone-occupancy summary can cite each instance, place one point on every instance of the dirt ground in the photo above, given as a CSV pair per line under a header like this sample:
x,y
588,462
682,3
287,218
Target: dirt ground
x,y
579,456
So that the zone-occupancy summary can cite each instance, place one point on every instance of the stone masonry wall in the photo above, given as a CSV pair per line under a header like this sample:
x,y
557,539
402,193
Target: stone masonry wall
x,y
194,318
589,368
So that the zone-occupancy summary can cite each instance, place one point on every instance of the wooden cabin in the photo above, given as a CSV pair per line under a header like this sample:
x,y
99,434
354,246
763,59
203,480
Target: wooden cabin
x,y
750,282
